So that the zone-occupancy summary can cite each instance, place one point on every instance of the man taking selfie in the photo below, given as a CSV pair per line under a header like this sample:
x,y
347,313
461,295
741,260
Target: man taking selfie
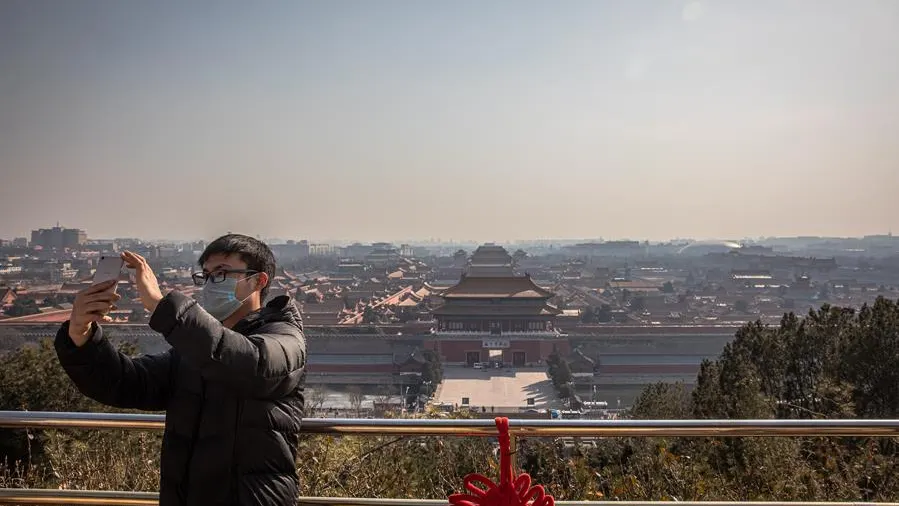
x,y
231,383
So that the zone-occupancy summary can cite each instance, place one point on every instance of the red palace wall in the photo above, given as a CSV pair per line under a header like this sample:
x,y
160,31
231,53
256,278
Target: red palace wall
x,y
351,368
607,370
456,350
562,346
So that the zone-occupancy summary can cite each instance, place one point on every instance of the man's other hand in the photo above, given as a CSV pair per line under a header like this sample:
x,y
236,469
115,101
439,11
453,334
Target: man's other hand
x,y
144,280
91,305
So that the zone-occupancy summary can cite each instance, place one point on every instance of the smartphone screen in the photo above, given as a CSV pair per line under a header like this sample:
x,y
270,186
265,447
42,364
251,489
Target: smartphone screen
x,y
109,267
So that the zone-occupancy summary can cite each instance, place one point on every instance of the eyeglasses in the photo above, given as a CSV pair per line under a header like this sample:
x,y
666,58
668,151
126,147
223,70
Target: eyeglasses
x,y
200,278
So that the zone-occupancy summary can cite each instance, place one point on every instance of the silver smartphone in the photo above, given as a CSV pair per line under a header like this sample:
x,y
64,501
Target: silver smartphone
x,y
109,267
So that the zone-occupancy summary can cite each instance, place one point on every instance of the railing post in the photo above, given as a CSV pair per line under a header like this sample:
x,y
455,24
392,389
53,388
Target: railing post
x,y
513,444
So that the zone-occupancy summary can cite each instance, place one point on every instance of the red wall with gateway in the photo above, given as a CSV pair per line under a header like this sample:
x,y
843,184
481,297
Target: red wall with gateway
x,y
455,350
351,368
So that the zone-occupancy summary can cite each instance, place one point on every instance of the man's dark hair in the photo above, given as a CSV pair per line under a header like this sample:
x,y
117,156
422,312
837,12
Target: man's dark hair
x,y
253,252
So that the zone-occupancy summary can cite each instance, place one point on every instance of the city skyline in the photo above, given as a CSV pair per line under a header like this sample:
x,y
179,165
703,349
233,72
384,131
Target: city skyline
x,y
460,240
490,122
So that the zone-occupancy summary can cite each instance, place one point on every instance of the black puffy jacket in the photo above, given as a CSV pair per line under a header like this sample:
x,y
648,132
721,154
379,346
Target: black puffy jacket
x,y
233,399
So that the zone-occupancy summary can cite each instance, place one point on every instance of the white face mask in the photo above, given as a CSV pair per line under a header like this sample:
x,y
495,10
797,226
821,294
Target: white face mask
x,y
220,299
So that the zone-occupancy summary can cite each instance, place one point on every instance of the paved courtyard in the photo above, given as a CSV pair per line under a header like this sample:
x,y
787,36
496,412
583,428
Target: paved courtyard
x,y
499,388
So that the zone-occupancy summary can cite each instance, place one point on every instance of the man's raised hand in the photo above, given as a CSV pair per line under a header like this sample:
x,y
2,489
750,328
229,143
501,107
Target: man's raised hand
x,y
91,306
144,280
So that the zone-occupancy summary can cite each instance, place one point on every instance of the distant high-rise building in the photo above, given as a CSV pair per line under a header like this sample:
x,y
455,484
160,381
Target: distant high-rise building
x,y
292,250
320,250
58,237
73,238
197,246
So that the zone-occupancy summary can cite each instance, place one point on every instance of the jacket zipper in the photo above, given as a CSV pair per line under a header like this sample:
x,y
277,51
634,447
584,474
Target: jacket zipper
x,y
193,440
235,469
241,328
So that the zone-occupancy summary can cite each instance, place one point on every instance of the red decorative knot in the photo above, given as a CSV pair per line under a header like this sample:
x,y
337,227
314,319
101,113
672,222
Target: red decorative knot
x,y
511,491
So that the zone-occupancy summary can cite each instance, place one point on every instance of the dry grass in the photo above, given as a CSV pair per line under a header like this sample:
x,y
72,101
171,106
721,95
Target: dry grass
x,y
433,467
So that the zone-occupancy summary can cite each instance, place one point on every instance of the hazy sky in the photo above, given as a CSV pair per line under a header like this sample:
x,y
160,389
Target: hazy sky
x,y
481,119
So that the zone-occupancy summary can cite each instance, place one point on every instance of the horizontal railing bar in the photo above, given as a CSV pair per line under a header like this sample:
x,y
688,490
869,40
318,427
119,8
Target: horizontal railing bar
x,y
111,498
79,420
485,427
93,497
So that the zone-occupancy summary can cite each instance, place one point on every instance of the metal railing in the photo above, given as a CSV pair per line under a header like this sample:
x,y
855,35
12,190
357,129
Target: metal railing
x,y
439,427
150,499
105,498
486,427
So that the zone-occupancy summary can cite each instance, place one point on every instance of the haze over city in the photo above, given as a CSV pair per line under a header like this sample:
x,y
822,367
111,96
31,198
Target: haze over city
x,y
464,120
